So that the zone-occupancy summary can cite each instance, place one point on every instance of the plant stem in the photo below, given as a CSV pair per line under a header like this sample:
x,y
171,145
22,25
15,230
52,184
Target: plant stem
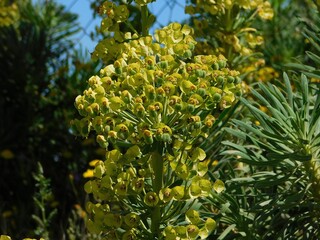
x,y
144,18
229,20
157,167
312,170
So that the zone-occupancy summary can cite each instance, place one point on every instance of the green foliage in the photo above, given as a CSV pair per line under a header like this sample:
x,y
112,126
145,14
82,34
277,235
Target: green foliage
x,y
279,155
283,153
270,158
227,27
38,86
284,32
42,198
311,63
176,156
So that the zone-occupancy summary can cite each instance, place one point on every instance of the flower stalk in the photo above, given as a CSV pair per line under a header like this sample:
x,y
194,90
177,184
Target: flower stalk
x,y
157,168
150,106
144,20
312,170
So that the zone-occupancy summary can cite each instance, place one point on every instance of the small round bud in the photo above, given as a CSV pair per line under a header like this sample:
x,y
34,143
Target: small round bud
x,y
163,64
230,79
142,172
192,231
165,194
187,54
220,79
166,137
151,199
132,219
201,91
138,183
215,66
150,92
121,188
178,192
148,136
170,233
222,63
190,108
126,96
237,80
216,97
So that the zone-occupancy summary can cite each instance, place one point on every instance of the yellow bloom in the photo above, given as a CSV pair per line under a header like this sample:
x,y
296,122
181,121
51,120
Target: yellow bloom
x,y
80,211
29,238
315,80
10,15
88,173
265,11
5,237
263,109
246,4
215,163
267,74
6,214
7,154
93,162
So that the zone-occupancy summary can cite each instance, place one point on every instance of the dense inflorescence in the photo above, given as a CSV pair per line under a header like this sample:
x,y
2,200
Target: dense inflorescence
x,y
235,19
262,7
148,109
230,28
9,14
156,90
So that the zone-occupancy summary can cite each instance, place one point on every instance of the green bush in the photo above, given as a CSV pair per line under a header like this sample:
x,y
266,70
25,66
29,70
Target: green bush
x,y
203,132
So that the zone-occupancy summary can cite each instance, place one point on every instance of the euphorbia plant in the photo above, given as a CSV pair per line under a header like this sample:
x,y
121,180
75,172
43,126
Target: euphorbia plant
x,y
230,28
150,109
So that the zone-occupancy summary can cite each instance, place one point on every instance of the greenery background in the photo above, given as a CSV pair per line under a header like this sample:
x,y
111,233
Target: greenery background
x,y
42,73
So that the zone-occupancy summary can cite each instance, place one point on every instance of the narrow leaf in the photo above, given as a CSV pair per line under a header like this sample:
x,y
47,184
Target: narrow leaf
x,y
288,89
226,232
313,56
304,88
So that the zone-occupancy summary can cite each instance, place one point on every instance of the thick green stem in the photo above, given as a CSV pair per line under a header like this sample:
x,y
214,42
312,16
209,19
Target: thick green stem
x,y
157,168
229,20
314,177
144,20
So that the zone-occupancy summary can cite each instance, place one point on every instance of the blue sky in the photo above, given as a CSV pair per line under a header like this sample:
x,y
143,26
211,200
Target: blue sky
x,y
165,10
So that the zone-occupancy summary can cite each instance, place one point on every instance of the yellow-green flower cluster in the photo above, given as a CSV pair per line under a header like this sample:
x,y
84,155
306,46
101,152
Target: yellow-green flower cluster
x,y
264,8
155,97
114,181
196,227
225,26
9,14
115,15
156,91
122,177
